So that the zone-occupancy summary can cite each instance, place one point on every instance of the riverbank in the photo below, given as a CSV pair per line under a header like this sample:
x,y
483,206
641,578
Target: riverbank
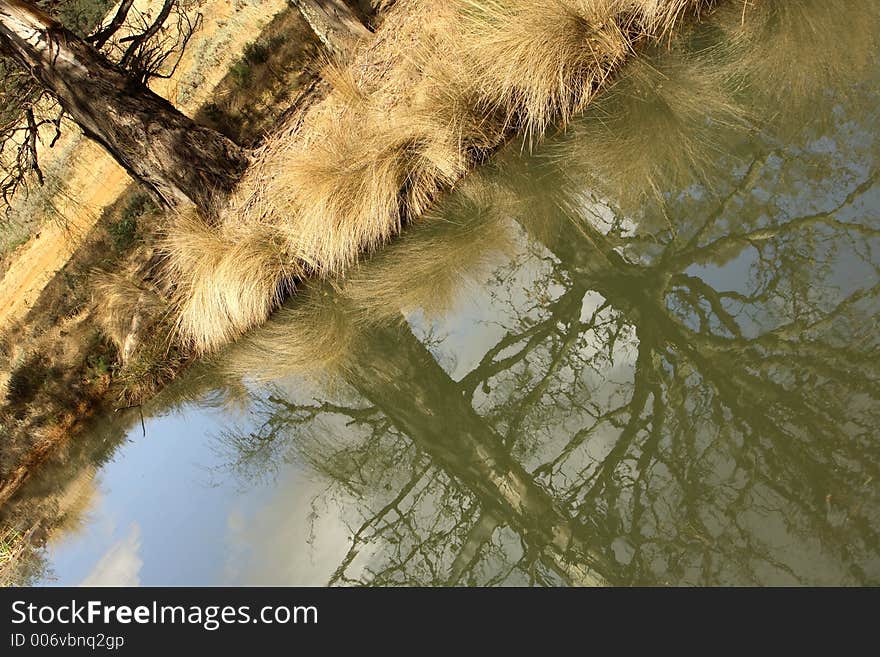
x,y
59,362
698,227
432,95
402,121
414,109
91,181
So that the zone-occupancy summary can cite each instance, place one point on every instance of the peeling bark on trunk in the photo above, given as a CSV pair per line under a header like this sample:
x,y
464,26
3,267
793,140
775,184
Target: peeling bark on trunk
x,y
179,161
335,23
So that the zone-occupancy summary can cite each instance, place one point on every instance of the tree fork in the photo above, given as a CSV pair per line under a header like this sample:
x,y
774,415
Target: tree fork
x,y
179,161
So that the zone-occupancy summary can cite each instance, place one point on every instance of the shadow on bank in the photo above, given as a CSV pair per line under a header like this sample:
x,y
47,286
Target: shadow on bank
x,y
683,386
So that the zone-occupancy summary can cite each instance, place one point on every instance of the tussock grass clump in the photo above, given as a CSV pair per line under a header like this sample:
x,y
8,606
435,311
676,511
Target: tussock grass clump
x,y
225,283
346,89
353,189
428,269
538,61
658,18
118,298
441,86
345,184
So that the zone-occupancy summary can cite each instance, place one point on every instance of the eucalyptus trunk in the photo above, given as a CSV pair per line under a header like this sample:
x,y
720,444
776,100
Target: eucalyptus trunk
x,y
179,161
334,22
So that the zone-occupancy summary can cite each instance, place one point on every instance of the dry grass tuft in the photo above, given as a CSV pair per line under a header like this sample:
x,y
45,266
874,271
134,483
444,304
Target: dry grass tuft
x,y
346,88
118,298
224,284
658,18
428,269
350,189
538,61
439,88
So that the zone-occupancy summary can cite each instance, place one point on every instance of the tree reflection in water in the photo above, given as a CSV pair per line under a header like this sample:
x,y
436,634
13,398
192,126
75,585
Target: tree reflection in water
x,y
685,384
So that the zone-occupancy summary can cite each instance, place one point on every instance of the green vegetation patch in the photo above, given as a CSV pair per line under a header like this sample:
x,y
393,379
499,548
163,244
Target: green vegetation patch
x,y
124,231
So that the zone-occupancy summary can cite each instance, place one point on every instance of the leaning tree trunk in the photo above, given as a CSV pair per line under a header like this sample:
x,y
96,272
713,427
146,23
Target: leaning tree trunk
x,y
178,160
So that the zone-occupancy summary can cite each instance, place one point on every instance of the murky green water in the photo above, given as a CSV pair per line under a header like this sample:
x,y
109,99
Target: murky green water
x,y
646,352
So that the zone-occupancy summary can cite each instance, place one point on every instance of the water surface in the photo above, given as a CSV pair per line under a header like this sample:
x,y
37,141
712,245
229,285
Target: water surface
x,y
644,352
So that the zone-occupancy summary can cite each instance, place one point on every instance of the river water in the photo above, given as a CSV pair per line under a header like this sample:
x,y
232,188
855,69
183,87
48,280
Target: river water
x,y
643,352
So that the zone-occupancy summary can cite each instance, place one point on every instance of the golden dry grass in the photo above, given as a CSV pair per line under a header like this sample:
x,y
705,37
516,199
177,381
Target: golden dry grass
x,y
538,62
117,297
658,18
430,269
224,284
353,189
660,127
440,86
345,86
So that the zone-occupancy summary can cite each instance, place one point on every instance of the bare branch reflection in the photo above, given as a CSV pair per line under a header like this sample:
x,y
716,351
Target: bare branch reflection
x,y
681,377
